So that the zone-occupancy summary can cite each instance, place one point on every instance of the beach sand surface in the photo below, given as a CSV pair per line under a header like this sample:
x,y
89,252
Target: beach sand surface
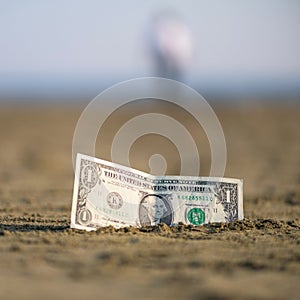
x,y
42,258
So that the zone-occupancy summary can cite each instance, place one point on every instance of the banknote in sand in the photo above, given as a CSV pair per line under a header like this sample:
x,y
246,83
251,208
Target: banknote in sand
x,y
107,193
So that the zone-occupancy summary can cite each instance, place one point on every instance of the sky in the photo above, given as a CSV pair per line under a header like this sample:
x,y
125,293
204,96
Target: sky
x,y
67,38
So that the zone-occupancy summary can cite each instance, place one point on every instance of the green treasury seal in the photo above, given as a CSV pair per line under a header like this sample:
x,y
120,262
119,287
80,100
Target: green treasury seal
x,y
196,216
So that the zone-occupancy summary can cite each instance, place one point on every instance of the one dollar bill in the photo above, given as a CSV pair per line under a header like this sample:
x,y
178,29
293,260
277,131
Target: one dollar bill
x,y
107,193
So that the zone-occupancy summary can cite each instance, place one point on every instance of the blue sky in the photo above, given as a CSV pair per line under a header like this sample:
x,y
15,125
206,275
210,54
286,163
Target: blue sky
x,y
65,37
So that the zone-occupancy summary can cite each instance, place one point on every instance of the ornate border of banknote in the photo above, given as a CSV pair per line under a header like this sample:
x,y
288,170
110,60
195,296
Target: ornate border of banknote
x,y
106,194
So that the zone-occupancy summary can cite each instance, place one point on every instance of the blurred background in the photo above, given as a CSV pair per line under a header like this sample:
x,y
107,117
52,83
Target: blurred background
x,y
70,50
242,56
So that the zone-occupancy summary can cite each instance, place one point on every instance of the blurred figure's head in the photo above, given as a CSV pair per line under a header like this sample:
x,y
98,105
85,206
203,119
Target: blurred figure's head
x,y
170,45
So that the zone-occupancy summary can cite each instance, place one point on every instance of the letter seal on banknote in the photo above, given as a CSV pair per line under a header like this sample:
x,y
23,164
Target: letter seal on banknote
x,y
107,193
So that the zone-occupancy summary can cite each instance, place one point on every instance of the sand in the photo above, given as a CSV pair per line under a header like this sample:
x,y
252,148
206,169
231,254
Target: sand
x,y
42,258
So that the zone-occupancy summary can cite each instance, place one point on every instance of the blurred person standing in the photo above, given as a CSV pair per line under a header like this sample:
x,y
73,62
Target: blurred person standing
x,y
170,45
